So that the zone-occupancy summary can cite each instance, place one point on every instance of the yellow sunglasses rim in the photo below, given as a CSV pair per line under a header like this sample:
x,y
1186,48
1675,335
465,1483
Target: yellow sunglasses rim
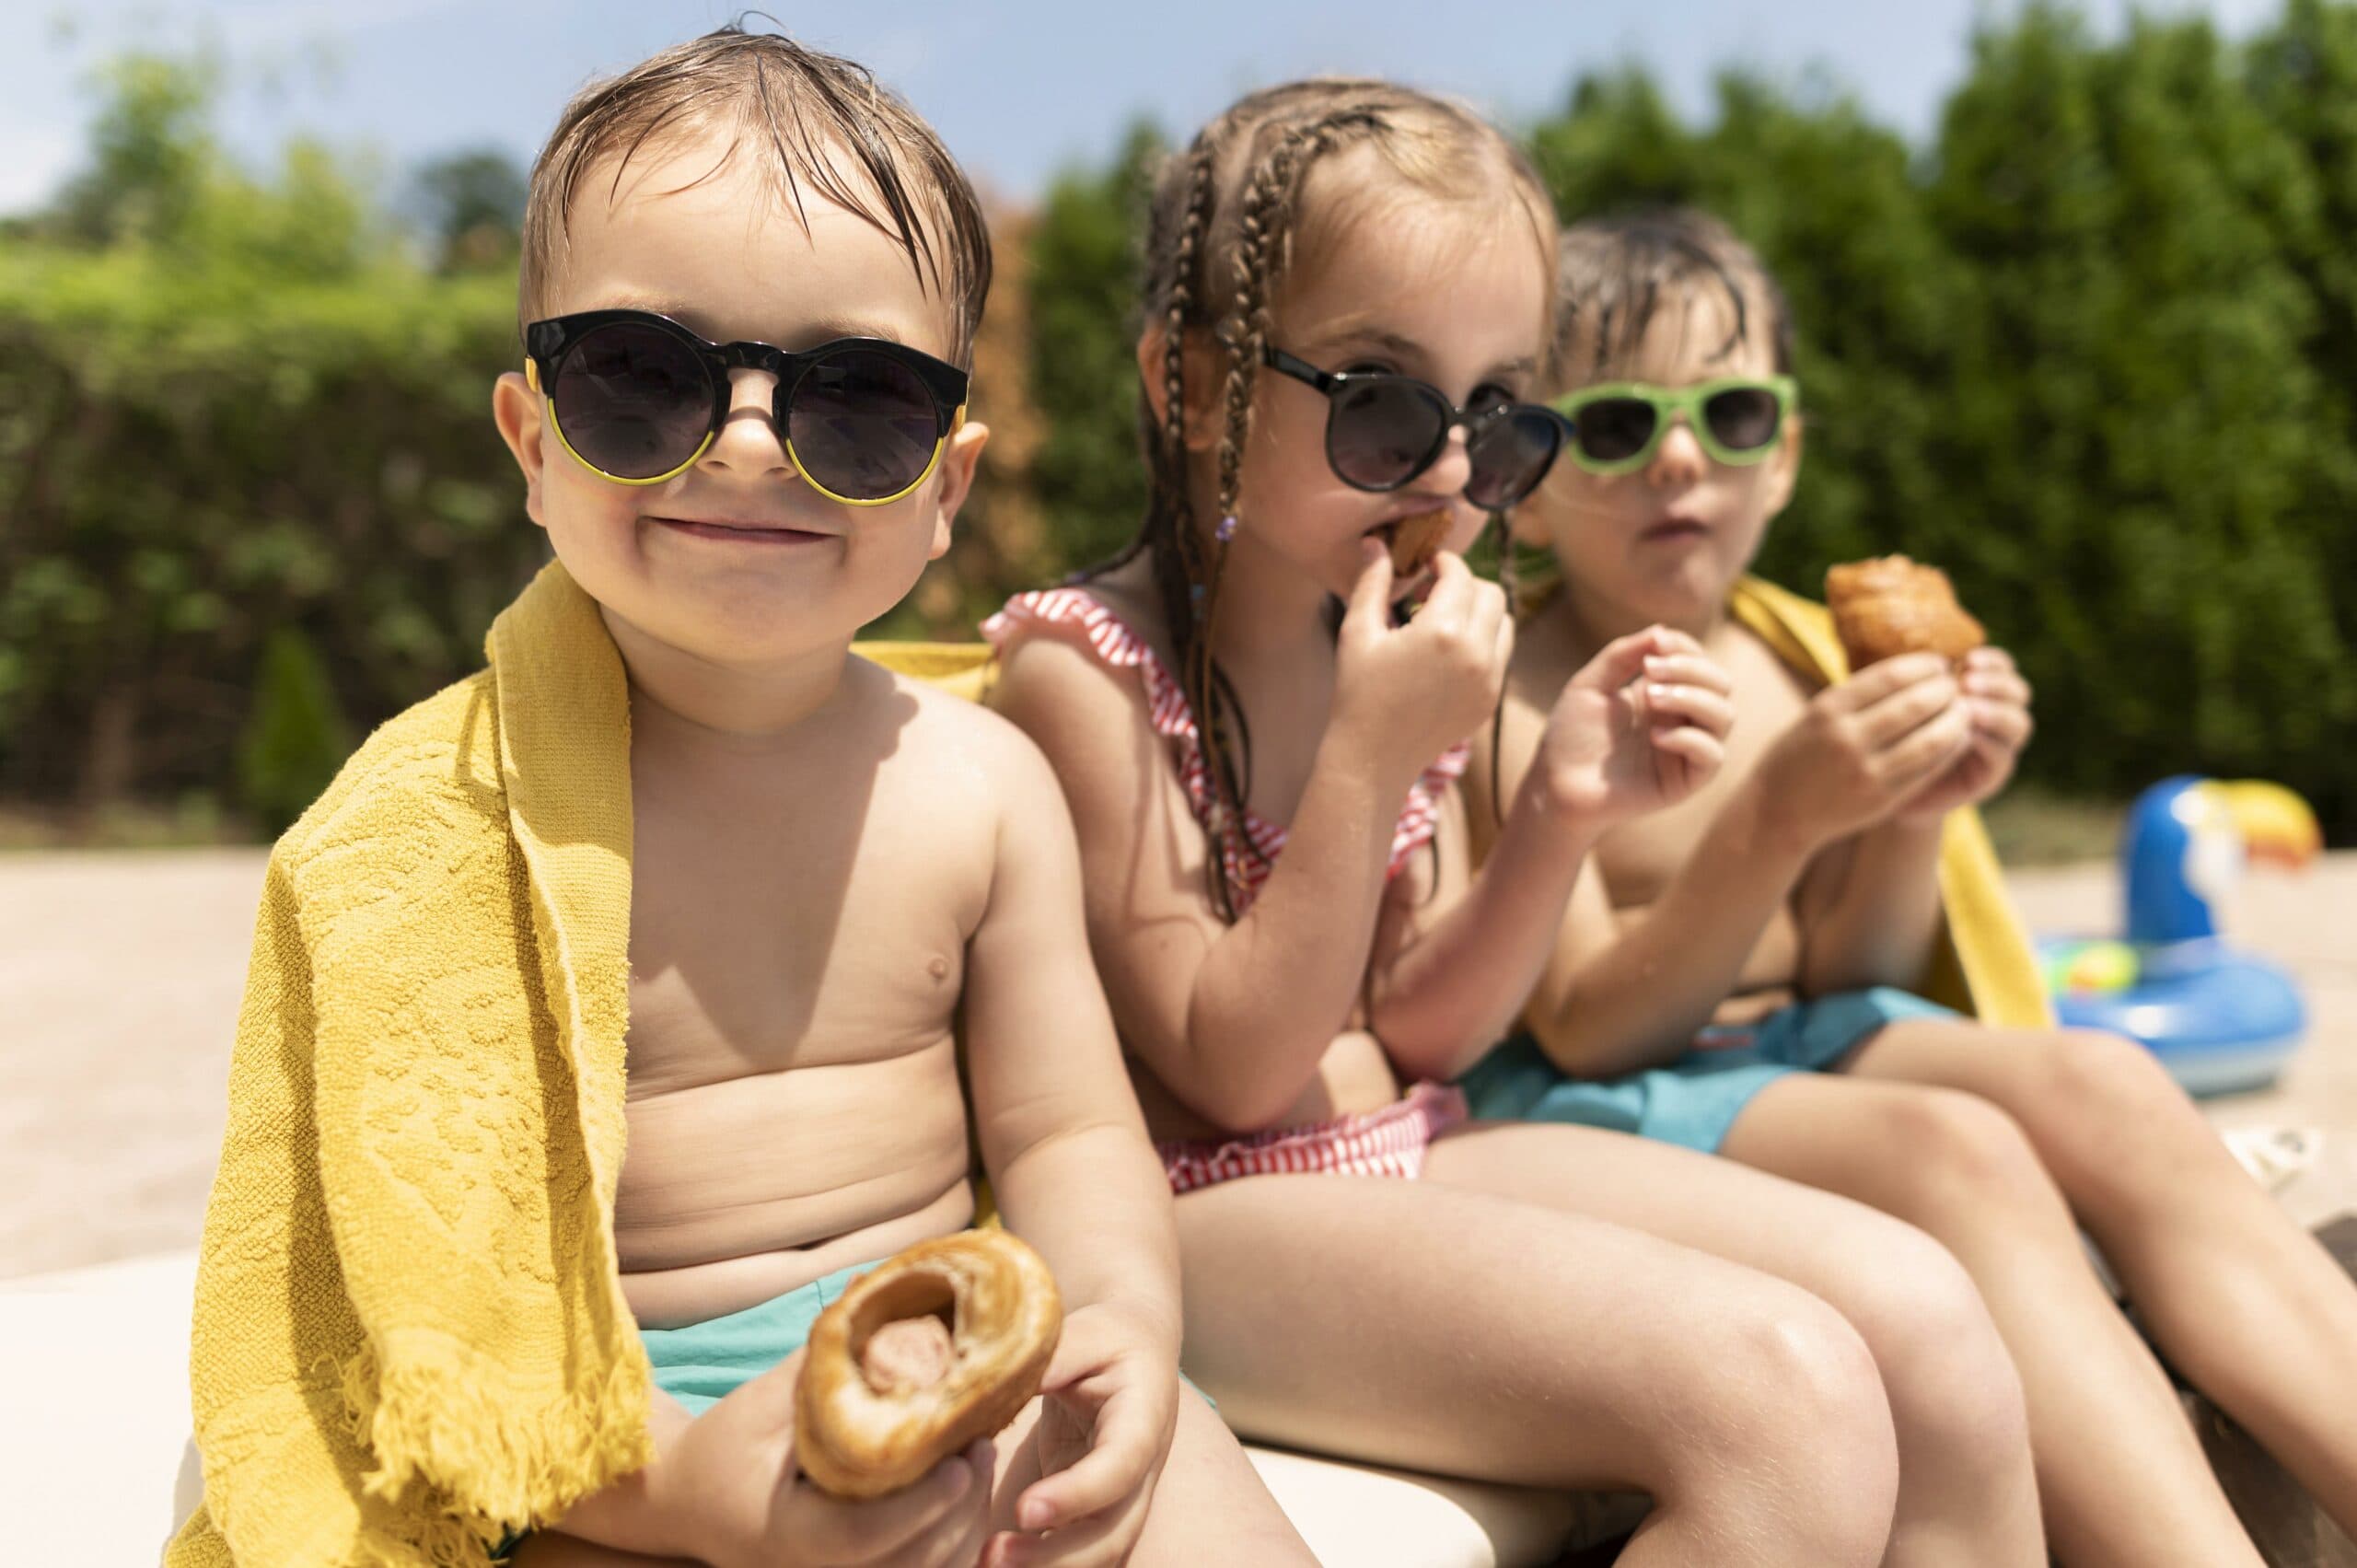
x,y
957,421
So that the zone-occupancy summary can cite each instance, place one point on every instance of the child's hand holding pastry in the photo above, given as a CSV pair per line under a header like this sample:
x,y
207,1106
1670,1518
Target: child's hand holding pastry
x,y
1997,699
1862,749
740,1486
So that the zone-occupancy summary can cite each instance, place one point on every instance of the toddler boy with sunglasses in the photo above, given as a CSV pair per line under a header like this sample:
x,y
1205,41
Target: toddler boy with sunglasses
x,y
1738,973
751,286
1768,924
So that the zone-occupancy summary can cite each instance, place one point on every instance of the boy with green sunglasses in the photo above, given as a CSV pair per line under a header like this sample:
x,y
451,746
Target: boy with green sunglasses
x,y
1738,973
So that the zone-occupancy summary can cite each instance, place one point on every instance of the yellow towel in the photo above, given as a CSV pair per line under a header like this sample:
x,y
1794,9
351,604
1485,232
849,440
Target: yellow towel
x,y
410,1331
1984,964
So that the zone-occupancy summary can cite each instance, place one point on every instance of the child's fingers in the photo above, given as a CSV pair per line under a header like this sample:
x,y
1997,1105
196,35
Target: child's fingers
x,y
1451,603
1104,1541
2001,685
1502,643
1927,749
1671,643
2008,724
955,1545
1621,661
1688,669
842,1530
1370,606
1690,705
1907,709
1121,1453
1700,748
1876,681
1486,608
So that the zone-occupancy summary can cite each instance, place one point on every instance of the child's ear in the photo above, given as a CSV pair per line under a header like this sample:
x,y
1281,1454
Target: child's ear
x,y
1785,466
961,458
1206,373
516,409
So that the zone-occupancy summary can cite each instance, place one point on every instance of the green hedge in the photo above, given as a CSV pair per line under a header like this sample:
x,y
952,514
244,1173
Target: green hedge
x,y
198,463
2094,349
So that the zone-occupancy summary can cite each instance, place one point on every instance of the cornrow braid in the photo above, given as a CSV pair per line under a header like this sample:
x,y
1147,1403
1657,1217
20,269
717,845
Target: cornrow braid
x,y
1262,232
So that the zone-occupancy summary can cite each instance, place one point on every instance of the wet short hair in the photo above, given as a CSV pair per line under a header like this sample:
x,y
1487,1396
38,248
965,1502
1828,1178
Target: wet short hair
x,y
1614,273
817,120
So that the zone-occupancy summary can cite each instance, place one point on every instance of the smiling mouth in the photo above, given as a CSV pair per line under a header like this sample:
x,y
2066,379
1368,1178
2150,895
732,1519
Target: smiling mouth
x,y
745,533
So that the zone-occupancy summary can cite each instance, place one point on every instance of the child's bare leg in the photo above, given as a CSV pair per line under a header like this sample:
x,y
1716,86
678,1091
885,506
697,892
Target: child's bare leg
x,y
1210,1504
1966,1492
2246,1303
2122,1477
1420,1325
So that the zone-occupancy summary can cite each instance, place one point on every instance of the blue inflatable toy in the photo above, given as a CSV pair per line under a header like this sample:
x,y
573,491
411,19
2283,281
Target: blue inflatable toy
x,y
2218,1019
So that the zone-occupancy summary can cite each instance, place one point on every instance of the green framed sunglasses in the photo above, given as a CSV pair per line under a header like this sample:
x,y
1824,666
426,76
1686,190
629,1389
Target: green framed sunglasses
x,y
1618,426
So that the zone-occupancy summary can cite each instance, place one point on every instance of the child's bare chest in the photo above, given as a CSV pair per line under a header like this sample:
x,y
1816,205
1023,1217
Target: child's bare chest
x,y
797,945
814,923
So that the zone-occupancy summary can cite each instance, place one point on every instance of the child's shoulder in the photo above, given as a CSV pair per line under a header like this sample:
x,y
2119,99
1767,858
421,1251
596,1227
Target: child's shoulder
x,y
1087,653
956,742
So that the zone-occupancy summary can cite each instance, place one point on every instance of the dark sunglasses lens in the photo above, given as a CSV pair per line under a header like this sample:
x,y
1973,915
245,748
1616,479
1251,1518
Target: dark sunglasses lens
x,y
1381,433
1611,429
1511,451
1742,419
863,426
633,400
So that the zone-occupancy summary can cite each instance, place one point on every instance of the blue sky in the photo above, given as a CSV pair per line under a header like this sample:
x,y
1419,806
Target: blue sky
x,y
1017,89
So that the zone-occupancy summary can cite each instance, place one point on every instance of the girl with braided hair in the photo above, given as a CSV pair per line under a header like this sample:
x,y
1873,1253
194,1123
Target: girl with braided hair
x,y
1348,290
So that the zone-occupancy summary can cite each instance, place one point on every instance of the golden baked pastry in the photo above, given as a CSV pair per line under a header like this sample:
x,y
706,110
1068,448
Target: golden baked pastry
x,y
1415,540
921,1355
1890,605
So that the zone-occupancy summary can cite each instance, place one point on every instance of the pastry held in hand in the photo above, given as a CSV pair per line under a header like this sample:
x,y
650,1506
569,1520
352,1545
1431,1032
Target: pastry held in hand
x,y
1890,605
921,1355
1416,541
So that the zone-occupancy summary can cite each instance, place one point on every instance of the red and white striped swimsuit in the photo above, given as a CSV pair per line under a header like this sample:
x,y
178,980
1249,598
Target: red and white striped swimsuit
x,y
1389,1142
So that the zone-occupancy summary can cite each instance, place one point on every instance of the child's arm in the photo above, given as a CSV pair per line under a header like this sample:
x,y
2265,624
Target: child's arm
x,y
1619,995
1235,1018
1639,727
1068,1157
1879,910
1623,993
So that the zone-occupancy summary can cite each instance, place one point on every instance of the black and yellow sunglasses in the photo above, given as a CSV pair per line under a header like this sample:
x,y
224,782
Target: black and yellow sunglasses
x,y
637,398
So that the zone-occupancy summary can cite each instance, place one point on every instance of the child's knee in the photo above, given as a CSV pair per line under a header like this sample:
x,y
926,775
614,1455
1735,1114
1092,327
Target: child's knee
x,y
1794,1418
1785,1374
1965,1158
2095,1078
1951,1382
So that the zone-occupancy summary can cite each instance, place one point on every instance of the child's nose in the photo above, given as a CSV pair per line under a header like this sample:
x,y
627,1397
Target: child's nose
x,y
750,440
1450,471
1682,458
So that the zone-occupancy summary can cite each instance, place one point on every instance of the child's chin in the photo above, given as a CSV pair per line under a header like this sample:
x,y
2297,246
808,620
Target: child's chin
x,y
1694,586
